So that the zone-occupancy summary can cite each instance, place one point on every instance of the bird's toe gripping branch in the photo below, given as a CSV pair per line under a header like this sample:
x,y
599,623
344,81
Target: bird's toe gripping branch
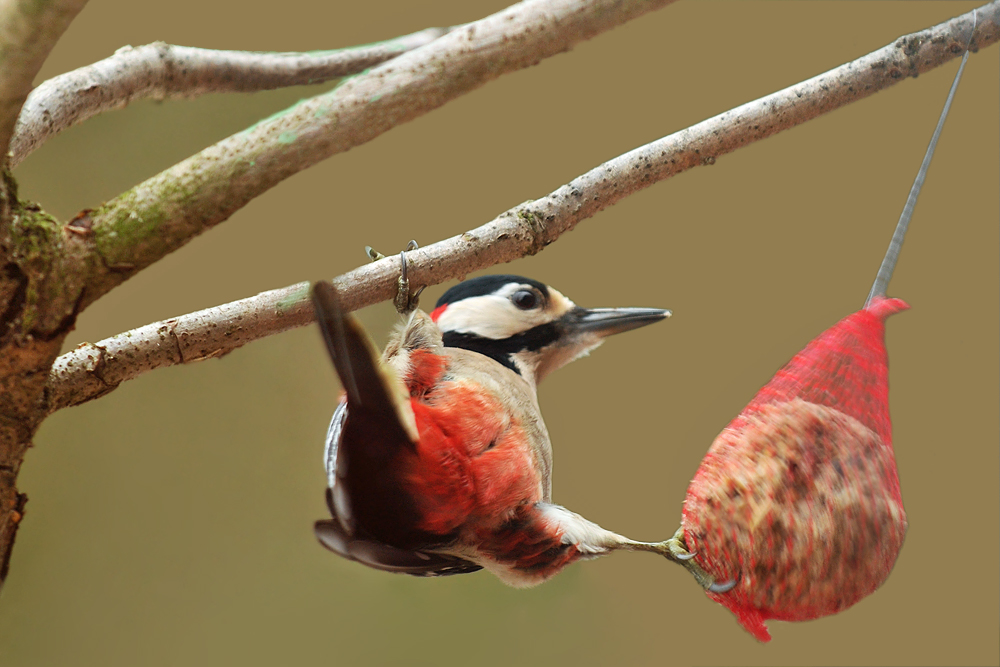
x,y
405,301
674,549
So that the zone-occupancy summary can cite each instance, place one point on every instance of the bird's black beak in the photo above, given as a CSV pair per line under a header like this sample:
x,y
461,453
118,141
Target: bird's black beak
x,y
609,321
582,329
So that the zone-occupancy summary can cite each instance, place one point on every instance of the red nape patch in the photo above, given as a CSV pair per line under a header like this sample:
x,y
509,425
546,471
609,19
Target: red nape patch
x,y
436,313
426,369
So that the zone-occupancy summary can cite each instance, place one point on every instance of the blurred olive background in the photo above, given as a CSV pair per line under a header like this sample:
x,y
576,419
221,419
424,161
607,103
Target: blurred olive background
x,y
170,522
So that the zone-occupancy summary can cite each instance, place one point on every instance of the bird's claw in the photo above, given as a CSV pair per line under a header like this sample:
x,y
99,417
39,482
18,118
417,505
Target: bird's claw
x,y
676,550
405,300
721,588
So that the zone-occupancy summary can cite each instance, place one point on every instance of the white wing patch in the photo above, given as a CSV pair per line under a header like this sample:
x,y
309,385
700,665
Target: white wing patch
x,y
333,435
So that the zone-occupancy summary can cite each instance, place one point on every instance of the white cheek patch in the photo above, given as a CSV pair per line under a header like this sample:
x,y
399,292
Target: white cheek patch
x,y
495,316
490,316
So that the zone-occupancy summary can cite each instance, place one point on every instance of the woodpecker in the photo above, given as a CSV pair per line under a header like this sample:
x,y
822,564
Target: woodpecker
x,y
437,458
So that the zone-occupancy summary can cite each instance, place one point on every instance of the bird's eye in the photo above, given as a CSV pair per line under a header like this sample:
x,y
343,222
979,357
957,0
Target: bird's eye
x,y
525,300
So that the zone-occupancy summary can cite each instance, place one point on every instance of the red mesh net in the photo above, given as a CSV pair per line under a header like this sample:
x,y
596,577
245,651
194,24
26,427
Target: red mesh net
x,y
798,498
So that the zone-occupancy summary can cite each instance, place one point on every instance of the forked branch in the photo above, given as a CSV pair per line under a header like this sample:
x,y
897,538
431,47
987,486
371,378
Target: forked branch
x,y
60,269
163,213
163,71
95,369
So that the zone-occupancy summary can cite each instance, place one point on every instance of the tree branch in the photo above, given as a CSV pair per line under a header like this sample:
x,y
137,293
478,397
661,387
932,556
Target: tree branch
x,y
162,71
92,370
55,270
28,31
165,212
95,369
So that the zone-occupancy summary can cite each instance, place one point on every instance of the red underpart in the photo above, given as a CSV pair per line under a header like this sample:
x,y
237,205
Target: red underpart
x,y
436,313
798,498
529,543
472,466
474,472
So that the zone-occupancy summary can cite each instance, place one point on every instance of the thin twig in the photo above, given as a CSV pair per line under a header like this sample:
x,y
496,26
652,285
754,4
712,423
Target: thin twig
x,y
163,71
95,369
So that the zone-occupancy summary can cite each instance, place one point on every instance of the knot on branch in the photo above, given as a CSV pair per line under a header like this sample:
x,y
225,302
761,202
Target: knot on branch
x,y
534,228
43,280
86,365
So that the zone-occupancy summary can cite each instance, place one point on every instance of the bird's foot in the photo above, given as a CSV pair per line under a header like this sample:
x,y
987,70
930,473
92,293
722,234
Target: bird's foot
x,y
674,549
405,301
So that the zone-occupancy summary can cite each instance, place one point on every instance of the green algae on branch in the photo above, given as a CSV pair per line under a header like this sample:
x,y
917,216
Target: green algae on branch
x,y
297,295
148,222
530,218
50,271
130,232
536,229
34,249
32,232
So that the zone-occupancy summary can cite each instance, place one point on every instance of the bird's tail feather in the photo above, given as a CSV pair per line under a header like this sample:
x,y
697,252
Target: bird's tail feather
x,y
372,387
